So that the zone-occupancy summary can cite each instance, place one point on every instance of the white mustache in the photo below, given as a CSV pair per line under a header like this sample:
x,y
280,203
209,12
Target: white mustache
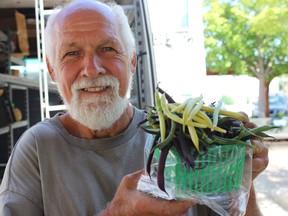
x,y
104,81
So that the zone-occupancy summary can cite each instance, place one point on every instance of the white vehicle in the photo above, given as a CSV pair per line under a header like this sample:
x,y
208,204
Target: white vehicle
x,y
278,105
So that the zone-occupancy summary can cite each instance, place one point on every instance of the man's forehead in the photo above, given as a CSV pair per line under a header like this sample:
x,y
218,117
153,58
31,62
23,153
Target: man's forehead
x,y
95,9
87,22
87,18
74,42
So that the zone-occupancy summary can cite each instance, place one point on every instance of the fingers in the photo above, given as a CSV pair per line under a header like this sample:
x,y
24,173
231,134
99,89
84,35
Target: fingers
x,y
157,205
174,207
260,148
244,114
131,180
163,207
250,125
260,158
129,199
126,196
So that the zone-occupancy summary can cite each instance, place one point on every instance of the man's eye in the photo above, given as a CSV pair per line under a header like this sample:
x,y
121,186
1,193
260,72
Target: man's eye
x,y
108,52
108,49
72,53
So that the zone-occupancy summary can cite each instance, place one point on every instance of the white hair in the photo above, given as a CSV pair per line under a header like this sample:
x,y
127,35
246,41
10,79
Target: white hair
x,y
121,25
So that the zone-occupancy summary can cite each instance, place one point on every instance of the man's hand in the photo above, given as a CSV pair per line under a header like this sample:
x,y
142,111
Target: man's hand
x,y
260,158
128,201
260,161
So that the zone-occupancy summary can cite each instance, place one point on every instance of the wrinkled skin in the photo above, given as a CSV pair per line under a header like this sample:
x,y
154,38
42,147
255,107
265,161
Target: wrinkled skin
x,y
129,201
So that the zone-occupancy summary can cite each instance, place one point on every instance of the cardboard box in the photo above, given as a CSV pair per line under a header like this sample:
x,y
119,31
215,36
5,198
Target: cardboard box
x,y
22,33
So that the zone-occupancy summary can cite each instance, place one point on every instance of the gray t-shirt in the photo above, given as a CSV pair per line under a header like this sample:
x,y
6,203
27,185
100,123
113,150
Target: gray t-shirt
x,y
50,172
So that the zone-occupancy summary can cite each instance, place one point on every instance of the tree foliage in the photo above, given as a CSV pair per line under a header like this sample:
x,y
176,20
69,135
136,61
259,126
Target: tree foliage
x,y
247,37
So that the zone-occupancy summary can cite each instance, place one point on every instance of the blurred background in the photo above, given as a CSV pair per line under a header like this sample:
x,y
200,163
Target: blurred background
x,y
236,52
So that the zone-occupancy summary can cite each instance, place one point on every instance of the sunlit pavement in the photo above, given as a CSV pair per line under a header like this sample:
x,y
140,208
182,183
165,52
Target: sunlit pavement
x,y
272,184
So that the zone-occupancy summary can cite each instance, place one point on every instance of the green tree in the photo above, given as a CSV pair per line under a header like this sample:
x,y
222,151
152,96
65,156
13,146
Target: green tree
x,y
248,37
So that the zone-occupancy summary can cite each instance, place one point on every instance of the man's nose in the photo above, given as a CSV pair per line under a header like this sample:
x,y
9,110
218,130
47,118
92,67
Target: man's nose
x,y
93,66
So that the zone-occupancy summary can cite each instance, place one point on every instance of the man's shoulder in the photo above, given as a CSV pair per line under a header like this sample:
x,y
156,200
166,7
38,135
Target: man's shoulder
x,y
40,129
52,122
139,115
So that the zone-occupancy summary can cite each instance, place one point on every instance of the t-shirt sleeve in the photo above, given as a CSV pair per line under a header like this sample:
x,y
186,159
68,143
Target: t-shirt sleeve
x,y
12,204
20,191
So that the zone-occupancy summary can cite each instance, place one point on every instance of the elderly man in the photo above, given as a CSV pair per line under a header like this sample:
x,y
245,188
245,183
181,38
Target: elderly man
x,y
88,160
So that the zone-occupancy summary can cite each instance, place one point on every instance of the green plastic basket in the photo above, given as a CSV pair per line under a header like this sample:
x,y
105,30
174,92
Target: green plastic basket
x,y
217,171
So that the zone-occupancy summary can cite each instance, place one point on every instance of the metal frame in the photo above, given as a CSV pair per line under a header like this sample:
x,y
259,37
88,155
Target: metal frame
x,y
45,106
39,15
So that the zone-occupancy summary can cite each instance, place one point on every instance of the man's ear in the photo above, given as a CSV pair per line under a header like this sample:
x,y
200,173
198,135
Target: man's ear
x,y
134,63
50,70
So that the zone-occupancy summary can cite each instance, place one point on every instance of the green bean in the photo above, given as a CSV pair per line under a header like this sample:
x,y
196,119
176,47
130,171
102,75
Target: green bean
x,y
150,129
225,141
216,114
169,138
254,131
160,116
205,127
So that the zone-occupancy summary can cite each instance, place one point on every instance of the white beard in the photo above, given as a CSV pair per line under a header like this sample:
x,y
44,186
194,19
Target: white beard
x,y
99,112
